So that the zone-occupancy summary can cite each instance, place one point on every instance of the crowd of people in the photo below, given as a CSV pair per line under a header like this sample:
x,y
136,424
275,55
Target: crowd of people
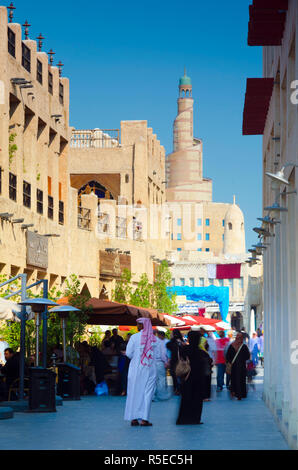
x,y
190,361
138,366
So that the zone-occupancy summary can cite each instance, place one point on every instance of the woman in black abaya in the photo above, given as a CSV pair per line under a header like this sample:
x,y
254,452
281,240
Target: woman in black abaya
x,y
192,389
238,375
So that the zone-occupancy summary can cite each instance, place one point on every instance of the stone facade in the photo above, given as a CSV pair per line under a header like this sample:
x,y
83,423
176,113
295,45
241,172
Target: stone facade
x,y
43,208
280,143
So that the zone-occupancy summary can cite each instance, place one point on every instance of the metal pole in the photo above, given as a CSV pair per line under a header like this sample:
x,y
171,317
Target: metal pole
x,y
64,339
37,323
45,325
22,337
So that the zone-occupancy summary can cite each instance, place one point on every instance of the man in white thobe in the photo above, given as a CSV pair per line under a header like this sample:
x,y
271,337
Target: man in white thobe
x,y
141,350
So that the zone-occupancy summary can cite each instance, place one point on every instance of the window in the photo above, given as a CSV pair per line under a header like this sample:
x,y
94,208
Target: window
x,y
199,249
207,236
50,83
199,236
201,282
223,238
172,237
61,93
230,226
241,285
199,222
39,71
191,282
12,187
50,207
11,42
173,283
220,282
61,212
179,249
207,222
231,286
223,223
26,57
178,236
182,282
207,249
211,282
179,222
26,194
39,201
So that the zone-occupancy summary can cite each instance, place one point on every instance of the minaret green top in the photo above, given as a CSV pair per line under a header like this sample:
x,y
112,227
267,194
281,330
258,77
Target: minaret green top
x,y
185,80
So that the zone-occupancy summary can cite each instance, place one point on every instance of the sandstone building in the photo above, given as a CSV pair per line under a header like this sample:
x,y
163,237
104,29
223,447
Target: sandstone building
x,y
71,201
206,232
271,110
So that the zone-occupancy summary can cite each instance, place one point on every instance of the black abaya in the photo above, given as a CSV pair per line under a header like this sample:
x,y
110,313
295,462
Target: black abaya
x,y
192,390
238,375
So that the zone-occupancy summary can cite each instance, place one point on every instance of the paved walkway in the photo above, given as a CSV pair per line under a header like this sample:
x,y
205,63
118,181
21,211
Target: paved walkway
x,y
97,423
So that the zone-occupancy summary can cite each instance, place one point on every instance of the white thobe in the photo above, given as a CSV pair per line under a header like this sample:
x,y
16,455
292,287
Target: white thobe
x,y
141,381
161,391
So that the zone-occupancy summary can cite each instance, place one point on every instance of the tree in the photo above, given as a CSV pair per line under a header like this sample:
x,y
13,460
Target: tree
x,y
162,300
141,297
123,288
145,294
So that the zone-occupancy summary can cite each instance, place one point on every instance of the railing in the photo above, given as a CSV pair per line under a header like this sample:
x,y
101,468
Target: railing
x,y
84,218
103,223
120,227
97,138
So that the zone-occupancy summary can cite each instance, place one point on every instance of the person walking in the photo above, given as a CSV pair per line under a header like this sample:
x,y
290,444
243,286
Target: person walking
x,y
173,346
253,346
162,359
220,360
237,355
141,350
208,362
192,387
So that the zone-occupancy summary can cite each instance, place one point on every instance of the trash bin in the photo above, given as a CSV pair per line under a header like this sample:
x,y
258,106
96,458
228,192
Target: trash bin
x,y
42,390
68,381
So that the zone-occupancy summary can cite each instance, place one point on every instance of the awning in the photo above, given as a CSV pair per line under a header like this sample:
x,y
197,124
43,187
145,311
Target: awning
x,y
105,312
257,100
266,22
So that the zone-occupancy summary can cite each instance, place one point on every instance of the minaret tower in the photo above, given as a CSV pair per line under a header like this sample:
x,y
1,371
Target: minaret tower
x,y
184,166
183,124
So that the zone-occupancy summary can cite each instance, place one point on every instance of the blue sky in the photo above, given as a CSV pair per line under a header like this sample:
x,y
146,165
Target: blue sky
x,y
124,60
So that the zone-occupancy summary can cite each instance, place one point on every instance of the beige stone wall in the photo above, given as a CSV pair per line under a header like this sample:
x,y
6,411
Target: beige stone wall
x,y
133,171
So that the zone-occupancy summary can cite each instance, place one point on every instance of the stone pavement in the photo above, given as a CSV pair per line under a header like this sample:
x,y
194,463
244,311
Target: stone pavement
x,y
97,423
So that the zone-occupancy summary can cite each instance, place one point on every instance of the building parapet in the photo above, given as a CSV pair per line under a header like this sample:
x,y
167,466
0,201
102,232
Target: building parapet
x,y
95,138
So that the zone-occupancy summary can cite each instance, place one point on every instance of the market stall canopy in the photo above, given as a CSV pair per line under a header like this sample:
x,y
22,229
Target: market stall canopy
x,y
106,312
206,323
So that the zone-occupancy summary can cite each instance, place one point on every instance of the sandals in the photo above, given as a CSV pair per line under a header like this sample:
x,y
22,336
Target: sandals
x,y
145,423
134,422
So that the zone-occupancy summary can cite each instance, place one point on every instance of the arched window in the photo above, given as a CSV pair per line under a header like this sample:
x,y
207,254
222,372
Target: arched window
x,y
98,189
230,226
126,178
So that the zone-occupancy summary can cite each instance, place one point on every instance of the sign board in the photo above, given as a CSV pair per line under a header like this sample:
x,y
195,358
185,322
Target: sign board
x,y
112,264
37,250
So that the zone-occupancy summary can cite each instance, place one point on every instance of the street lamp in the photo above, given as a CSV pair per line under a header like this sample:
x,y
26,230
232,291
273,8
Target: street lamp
x,y
39,306
279,176
63,312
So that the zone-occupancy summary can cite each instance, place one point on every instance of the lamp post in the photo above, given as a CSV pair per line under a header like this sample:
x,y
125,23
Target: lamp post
x,y
63,312
39,306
